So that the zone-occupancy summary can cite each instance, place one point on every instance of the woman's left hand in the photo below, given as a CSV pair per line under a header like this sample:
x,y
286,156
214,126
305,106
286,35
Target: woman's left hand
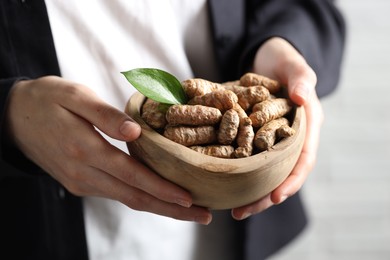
x,y
279,60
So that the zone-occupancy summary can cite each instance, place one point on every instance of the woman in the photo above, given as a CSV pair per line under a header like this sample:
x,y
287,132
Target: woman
x,y
66,180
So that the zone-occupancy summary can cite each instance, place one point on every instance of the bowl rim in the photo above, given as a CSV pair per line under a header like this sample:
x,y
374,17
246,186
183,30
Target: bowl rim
x,y
186,154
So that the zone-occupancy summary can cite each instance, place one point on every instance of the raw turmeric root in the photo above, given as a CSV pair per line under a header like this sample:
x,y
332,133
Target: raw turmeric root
x,y
285,131
267,135
221,151
228,127
252,95
269,110
221,99
244,118
199,87
244,141
153,114
248,96
253,79
193,115
215,120
189,136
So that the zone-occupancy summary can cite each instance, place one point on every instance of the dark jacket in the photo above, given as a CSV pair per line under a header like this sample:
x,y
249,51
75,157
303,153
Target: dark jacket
x,y
39,219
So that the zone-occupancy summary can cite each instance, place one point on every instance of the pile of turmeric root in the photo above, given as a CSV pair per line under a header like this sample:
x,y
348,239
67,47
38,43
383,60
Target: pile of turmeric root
x,y
230,120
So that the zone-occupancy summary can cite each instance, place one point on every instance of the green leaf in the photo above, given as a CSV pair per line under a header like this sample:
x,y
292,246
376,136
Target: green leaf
x,y
157,84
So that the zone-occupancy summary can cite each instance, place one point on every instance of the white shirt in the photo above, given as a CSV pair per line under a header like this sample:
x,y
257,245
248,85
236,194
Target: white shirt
x,y
95,41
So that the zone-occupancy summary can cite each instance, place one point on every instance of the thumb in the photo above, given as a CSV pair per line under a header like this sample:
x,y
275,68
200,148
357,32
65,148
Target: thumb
x,y
301,83
108,119
112,121
130,130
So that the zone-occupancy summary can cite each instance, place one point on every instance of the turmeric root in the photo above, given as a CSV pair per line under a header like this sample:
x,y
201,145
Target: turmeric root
x,y
248,96
242,152
221,151
199,87
244,118
269,110
221,99
267,135
215,120
235,88
285,131
193,115
252,95
153,115
244,141
228,127
189,136
253,79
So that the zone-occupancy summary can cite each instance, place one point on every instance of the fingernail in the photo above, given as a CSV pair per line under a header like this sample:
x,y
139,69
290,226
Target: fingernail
x,y
183,203
302,91
204,220
283,198
127,127
245,215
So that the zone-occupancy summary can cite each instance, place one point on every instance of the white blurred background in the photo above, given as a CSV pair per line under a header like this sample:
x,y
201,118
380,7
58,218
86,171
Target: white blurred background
x,y
348,193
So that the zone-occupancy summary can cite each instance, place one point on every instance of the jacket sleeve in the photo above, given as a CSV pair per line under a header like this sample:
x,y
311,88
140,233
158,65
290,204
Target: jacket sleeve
x,y
26,51
12,161
315,28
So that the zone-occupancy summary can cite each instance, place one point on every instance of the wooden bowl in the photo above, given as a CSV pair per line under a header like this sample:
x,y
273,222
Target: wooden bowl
x,y
217,183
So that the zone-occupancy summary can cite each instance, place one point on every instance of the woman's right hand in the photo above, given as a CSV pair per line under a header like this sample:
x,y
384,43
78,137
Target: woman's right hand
x,y
52,121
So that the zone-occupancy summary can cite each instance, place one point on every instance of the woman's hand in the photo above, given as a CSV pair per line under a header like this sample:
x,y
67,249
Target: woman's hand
x,y
52,121
279,60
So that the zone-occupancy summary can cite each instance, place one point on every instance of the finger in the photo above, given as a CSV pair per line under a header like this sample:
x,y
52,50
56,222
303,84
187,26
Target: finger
x,y
98,183
307,159
141,201
88,147
251,209
130,171
278,59
301,81
85,103
295,180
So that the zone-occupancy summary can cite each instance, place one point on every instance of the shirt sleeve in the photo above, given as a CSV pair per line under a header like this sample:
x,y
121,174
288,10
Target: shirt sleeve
x,y
316,28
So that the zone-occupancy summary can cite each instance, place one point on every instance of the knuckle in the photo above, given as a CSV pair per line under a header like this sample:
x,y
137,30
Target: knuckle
x,y
105,114
75,92
136,202
73,150
312,75
129,177
73,184
75,190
